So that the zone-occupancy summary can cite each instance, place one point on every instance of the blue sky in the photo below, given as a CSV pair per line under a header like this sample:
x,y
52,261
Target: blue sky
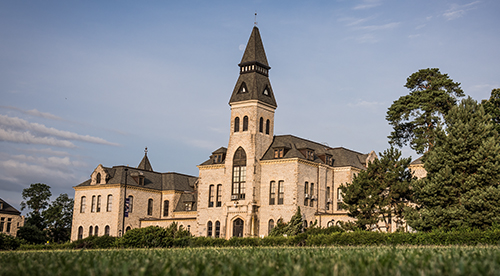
x,y
84,83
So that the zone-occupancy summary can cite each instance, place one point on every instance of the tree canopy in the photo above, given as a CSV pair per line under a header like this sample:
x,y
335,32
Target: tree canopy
x,y
492,107
37,199
415,117
293,227
58,217
379,193
462,186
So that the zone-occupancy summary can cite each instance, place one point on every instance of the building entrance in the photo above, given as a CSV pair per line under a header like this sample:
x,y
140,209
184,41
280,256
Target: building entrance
x,y
238,228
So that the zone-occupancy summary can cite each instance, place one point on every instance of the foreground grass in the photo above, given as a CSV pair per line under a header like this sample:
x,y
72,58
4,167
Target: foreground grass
x,y
453,260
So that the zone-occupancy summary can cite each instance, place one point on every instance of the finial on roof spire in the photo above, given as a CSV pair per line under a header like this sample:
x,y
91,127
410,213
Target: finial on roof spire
x,y
146,151
255,22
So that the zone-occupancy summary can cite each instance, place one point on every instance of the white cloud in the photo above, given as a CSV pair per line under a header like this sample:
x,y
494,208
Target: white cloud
x,y
28,137
46,151
367,4
379,27
354,21
34,112
457,11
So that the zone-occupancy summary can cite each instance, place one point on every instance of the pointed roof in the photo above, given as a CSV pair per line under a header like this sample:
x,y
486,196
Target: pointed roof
x,y
6,208
145,165
253,82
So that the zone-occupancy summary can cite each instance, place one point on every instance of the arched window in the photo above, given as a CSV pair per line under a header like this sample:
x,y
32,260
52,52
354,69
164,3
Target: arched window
x,y
150,207
98,178
239,174
106,230
127,229
245,123
93,205
261,125
306,193
311,195
80,233
272,193
211,196
110,203
91,230
130,203
219,195
305,223
217,229
165,208
98,203
83,203
268,126
209,229
270,226
238,228
236,124
281,192
96,230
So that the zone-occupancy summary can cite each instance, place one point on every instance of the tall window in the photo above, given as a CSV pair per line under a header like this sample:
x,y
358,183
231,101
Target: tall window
x,y
91,230
339,200
236,124
165,208
83,203
239,174
261,125
328,198
9,223
306,193
209,229
98,178
272,193
245,123
2,221
268,125
217,229
211,196
93,205
270,226
80,233
110,203
106,230
150,207
219,195
98,203
130,203
96,231
281,192
312,195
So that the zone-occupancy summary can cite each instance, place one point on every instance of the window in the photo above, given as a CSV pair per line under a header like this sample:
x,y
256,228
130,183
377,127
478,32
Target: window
x,y
266,91
188,206
268,125
211,196
98,178
236,124
98,203
339,200
80,233
281,192
9,223
309,155
245,123
306,194
209,229
1,205
328,198
279,153
96,230
272,193
83,202
239,174
219,195
127,229
106,230
217,229
150,207
110,203
165,208
261,125
91,231
243,88
270,226
305,223
130,203
312,195
93,204
2,221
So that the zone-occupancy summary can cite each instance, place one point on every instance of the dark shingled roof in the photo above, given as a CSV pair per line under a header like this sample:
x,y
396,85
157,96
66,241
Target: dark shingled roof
x,y
417,161
187,198
255,80
293,145
145,164
211,161
8,209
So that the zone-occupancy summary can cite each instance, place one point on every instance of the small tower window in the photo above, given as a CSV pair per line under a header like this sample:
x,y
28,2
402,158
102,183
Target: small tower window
x,y
236,124
245,123
243,88
266,91
98,178
268,125
261,125
165,208
150,207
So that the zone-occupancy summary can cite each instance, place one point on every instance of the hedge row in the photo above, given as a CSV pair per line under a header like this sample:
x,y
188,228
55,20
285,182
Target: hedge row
x,y
152,237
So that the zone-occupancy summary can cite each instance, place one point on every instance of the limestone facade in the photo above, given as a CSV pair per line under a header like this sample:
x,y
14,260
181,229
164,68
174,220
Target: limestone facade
x,y
10,219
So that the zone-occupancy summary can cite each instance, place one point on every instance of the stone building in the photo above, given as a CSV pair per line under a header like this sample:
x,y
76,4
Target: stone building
x,y
242,190
10,219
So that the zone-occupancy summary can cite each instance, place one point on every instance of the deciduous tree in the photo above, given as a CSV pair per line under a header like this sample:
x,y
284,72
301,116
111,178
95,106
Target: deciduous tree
x,y
58,217
37,199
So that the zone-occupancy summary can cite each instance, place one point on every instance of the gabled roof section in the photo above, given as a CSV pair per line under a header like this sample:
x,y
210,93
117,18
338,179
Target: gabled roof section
x,y
145,164
253,82
6,208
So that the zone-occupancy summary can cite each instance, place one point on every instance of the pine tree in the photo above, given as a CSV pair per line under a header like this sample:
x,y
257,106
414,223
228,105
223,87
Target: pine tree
x,y
492,107
462,187
294,227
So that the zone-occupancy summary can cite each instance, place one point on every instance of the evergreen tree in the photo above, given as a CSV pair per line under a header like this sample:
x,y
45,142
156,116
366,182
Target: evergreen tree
x,y
492,107
415,117
293,227
379,193
462,187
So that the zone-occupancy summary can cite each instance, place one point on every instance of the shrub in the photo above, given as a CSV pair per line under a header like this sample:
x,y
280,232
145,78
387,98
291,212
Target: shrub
x,y
95,242
8,242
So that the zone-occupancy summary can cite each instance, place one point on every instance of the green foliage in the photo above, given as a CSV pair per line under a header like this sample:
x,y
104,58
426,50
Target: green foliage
x,y
155,236
416,116
8,242
95,242
492,107
293,227
31,234
37,199
58,217
462,187
379,193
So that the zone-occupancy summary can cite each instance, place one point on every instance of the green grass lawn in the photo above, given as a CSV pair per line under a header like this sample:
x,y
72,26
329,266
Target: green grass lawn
x,y
432,260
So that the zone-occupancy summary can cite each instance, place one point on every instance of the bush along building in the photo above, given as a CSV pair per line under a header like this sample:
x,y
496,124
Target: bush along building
x,y
243,190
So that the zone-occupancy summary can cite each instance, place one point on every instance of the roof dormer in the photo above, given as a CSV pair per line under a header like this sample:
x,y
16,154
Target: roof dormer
x,y
99,176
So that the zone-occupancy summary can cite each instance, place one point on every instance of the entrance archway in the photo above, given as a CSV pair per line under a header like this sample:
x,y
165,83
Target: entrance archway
x,y
238,228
